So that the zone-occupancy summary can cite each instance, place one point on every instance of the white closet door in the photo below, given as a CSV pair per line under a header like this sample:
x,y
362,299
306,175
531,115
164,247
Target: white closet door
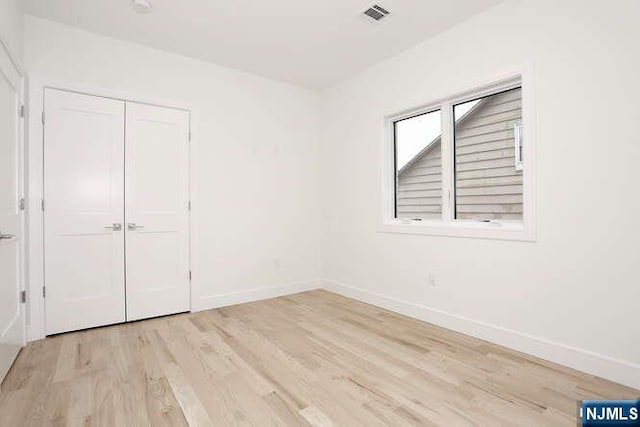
x,y
157,215
12,324
84,210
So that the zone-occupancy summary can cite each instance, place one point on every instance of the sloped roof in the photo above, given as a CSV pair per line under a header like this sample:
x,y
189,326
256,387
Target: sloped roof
x,y
430,146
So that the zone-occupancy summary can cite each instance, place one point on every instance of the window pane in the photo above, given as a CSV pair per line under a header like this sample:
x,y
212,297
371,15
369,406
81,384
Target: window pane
x,y
488,180
419,167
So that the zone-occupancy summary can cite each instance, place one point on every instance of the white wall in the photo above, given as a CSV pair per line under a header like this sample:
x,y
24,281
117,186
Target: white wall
x,y
579,283
11,26
254,159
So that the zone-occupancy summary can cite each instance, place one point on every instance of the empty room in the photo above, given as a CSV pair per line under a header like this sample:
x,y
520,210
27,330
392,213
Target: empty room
x,y
336,213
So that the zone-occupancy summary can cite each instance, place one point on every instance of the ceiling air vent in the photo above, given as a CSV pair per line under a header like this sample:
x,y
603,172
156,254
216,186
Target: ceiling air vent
x,y
376,12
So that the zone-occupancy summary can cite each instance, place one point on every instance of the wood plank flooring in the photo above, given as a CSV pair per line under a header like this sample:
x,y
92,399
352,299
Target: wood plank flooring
x,y
310,359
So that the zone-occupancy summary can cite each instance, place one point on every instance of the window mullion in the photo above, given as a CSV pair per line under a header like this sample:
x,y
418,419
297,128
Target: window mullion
x,y
447,163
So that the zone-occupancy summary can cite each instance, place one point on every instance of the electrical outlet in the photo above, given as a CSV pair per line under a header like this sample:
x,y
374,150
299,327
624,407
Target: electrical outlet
x,y
431,279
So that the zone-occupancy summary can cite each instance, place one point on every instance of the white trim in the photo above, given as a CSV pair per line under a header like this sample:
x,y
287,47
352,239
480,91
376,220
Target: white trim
x,y
481,230
448,172
37,84
23,187
255,294
621,371
504,230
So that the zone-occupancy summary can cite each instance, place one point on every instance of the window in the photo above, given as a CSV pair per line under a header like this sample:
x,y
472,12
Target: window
x,y
488,177
419,166
461,164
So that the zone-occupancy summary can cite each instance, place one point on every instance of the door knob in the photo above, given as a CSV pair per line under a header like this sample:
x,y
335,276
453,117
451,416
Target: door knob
x,y
132,226
6,236
115,227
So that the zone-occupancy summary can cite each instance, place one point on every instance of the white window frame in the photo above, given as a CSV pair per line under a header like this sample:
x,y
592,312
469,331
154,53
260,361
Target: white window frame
x,y
448,226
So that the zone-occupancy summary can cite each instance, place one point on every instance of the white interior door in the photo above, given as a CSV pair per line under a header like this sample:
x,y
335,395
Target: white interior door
x,y
12,314
83,211
157,212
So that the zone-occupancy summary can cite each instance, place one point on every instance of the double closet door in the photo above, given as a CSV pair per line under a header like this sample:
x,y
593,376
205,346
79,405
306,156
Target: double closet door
x,y
116,211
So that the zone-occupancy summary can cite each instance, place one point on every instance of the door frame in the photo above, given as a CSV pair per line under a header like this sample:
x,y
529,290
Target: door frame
x,y
10,65
36,327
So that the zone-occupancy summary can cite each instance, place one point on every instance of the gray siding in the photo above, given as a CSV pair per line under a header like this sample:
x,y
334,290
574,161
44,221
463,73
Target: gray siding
x,y
488,186
420,187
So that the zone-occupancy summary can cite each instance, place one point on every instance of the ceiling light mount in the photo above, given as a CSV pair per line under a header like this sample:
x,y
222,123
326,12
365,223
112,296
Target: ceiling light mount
x,y
142,6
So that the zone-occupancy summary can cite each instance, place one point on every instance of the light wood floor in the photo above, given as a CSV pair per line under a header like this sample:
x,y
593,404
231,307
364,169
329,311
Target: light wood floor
x,y
311,359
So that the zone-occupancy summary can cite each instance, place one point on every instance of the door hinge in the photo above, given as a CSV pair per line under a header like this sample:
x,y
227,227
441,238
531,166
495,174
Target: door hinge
x,y
42,204
189,135
44,292
189,205
21,204
189,275
21,111
42,116
23,297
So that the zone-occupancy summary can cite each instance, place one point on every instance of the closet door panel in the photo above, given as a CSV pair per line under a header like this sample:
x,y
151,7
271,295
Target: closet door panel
x,y
12,313
157,216
83,211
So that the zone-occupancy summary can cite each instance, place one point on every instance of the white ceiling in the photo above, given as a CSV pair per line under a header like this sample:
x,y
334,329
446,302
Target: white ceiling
x,y
310,44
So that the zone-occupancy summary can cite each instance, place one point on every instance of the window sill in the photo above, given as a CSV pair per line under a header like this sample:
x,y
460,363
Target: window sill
x,y
477,230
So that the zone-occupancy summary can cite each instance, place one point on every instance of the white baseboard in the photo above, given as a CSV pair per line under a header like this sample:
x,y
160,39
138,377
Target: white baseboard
x,y
255,294
620,371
